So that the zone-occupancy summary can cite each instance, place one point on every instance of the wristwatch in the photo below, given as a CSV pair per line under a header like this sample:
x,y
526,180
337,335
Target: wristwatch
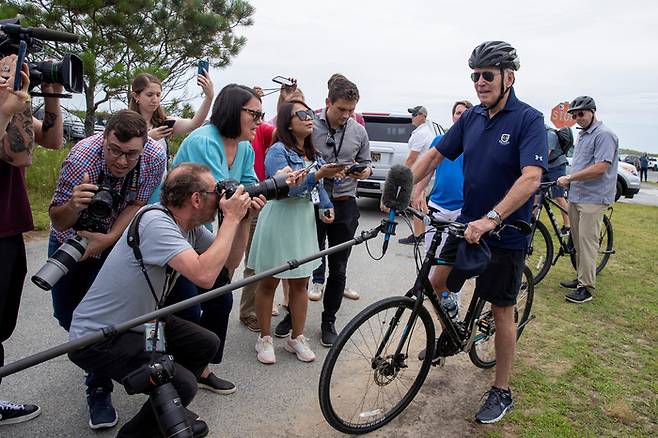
x,y
494,216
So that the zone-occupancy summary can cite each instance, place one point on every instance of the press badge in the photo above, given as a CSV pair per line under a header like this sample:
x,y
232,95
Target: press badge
x,y
151,339
315,196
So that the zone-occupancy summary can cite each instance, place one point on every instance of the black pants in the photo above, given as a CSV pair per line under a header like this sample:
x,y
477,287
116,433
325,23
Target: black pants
x,y
12,274
643,173
341,230
191,346
212,314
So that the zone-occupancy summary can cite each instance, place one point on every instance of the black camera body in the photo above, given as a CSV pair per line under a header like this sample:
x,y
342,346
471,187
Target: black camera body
x,y
68,72
154,379
271,188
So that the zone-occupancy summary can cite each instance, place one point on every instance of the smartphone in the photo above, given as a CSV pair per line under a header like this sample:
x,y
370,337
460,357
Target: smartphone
x,y
283,81
311,166
335,165
169,123
202,65
357,168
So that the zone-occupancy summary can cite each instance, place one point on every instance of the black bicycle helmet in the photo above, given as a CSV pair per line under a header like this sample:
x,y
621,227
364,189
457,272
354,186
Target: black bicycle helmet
x,y
494,54
582,103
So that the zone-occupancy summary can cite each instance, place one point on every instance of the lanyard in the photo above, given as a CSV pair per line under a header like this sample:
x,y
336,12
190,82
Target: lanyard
x,y
332,132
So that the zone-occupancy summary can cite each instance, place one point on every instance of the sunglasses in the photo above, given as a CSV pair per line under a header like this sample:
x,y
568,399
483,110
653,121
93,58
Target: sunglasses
x,y
257,115
577,114
305,115
117,153
487,75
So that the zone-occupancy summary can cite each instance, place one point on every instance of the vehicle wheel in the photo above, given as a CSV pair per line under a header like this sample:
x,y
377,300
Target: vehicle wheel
x,y
362,385
539,254
483,351
620,191
605,246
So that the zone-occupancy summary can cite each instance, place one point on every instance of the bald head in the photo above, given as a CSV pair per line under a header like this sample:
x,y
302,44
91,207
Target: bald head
x,y
182,182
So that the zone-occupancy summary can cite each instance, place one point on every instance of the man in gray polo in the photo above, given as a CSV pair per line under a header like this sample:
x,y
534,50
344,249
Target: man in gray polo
x,y
591,183
340,139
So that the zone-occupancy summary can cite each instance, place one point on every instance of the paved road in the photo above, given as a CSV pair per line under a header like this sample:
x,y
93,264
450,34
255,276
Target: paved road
x,y
278,400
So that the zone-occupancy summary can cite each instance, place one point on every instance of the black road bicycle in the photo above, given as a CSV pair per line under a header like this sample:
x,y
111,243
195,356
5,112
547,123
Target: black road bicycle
x,y
540,254
382,357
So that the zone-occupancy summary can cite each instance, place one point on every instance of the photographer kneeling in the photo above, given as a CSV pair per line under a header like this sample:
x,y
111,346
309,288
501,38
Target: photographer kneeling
x,y
104,181
172,241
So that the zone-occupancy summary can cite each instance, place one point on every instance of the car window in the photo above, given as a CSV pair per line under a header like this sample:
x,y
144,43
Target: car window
x,y
391,129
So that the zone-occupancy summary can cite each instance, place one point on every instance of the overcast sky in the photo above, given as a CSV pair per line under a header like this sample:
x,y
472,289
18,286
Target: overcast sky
x,y
407,53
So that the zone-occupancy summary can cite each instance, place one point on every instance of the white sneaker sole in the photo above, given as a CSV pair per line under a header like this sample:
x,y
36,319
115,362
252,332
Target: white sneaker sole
x,y
21,419
105,425
217,391
498,418
289,349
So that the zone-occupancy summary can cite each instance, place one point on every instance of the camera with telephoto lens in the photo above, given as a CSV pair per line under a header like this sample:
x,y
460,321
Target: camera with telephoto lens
x,y
154,379
70,252
68,72
271,188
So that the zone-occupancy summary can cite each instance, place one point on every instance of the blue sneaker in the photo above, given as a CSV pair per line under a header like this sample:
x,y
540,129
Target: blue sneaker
x,y
102,414
495,406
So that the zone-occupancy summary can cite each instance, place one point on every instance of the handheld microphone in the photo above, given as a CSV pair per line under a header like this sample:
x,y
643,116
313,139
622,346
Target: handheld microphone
x,y
396,196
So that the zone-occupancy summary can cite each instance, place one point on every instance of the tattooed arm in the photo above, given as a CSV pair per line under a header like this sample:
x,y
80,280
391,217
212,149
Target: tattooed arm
x,y
16,131
50,132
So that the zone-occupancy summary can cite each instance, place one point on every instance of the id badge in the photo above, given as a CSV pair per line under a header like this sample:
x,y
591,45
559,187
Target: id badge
x,y
315,196
154,343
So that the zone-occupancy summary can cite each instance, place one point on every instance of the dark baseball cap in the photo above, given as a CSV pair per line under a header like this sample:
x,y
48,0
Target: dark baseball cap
x,y
471,260
417,110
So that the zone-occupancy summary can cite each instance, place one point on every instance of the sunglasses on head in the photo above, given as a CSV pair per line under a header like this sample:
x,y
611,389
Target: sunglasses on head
x,y
577,114
486,75
257,115
305,115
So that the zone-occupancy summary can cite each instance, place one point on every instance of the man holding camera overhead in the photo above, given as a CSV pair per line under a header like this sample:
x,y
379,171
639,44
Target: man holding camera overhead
x,y
19,132
114,172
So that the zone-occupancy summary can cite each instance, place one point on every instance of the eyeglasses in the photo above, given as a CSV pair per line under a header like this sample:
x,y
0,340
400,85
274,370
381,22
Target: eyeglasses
x,y
305,115
486,75
577,114
117,153
257,115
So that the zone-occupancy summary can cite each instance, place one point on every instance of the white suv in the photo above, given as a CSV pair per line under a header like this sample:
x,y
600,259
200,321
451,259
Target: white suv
x,y
388,134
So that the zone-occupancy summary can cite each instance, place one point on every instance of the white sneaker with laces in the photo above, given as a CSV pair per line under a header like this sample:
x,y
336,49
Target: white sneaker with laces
x,y
350,293
265,350
299,346
315,294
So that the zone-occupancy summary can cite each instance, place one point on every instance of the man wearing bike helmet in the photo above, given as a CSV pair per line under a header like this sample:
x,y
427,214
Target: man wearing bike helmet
x,y
505,151
591,183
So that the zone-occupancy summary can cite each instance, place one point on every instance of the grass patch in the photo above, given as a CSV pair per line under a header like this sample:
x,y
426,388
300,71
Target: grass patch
x,y
591,370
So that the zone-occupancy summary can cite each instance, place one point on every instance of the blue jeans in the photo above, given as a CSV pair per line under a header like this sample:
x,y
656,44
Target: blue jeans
x,y
67,294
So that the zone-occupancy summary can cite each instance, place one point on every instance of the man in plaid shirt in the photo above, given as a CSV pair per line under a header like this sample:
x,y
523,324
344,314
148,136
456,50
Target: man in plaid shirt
x,y
124,159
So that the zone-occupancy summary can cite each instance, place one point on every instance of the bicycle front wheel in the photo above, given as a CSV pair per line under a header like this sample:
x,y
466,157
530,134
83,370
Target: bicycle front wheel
x,y
483,351
605,246
539,254
364,384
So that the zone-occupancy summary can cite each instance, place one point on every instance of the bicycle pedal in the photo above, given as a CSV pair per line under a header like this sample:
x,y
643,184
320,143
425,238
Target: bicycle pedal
x,y
441,361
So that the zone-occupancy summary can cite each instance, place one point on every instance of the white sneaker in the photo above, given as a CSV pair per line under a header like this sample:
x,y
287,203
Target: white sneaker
x,y
315,294
265,349
350,293
300,347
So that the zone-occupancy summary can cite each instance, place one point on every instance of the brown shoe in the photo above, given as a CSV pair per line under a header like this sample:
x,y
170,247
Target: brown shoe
x,y
251,322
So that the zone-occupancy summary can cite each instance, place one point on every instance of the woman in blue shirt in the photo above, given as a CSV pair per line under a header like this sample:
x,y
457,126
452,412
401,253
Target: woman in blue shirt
x,y
286,228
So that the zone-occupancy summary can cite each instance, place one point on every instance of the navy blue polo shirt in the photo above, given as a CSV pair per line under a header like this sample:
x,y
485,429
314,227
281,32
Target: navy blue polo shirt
x,y
495,150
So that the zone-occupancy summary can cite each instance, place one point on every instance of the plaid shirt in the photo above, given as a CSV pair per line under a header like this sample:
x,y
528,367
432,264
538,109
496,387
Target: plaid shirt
x,y
88,156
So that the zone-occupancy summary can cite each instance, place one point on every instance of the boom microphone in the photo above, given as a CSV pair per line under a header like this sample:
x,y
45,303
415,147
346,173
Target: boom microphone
x,y
52,35
397,188
396,196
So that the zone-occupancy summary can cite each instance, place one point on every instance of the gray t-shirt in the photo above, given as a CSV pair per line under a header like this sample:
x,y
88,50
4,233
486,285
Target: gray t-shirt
x,y
355,147
555,156
120,291
595,145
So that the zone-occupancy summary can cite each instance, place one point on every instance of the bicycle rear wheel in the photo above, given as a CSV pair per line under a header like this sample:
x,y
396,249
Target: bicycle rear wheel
x,y
539,254
605,246
360,390
483,351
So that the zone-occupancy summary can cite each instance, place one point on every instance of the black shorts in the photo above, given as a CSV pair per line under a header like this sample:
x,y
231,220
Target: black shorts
x,y
500,283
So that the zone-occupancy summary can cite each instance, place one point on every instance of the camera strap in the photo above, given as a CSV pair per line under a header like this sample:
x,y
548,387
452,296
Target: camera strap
x,y
133,242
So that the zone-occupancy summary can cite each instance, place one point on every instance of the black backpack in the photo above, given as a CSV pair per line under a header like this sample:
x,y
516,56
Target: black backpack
x,y
564,139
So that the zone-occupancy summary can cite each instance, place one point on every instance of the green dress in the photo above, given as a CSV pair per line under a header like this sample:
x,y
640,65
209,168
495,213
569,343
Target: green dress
x,y
285,231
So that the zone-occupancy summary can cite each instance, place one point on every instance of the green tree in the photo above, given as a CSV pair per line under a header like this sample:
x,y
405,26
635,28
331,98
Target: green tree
x,y
122,38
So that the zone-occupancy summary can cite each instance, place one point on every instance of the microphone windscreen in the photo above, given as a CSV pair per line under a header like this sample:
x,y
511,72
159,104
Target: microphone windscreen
x,y
397,188
53,35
